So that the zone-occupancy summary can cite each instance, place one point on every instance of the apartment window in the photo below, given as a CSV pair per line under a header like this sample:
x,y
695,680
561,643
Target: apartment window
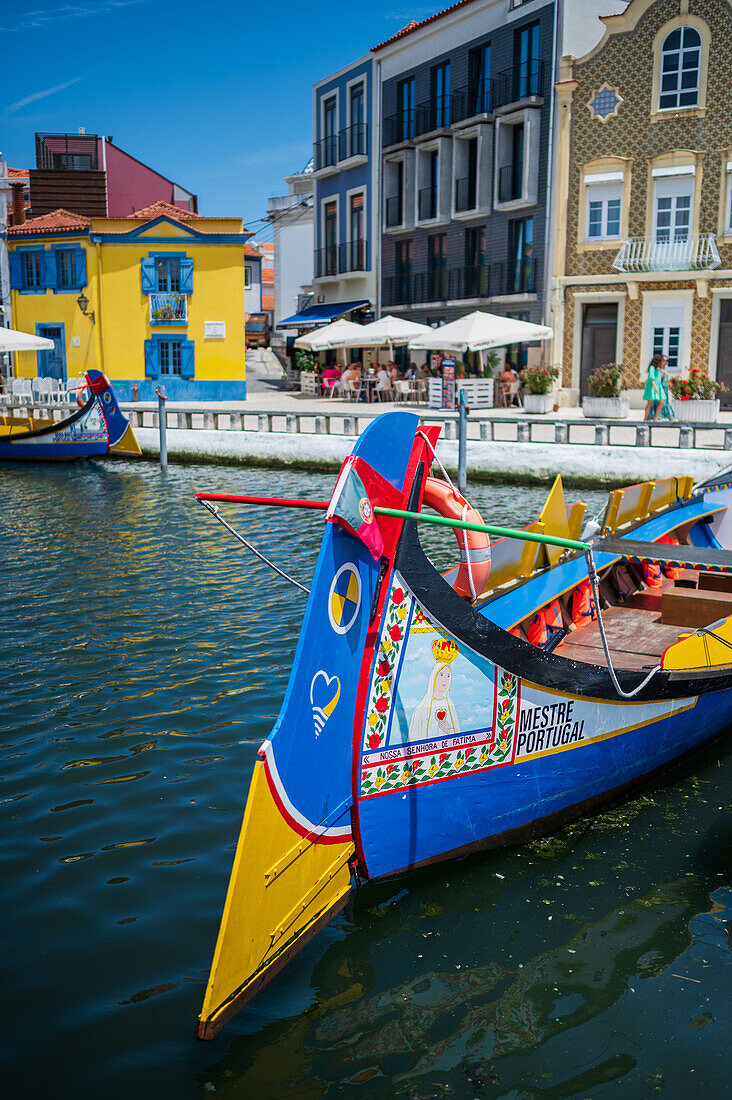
x,y
357,227
520,258
440,88
604,202
526,54
329,131
357,143
400,192
428,194
680,69
436,267
330,233
167,270
32,270
511,178
672,208
66,269
169,356
475,263
479,79
247,278
405,106
404,271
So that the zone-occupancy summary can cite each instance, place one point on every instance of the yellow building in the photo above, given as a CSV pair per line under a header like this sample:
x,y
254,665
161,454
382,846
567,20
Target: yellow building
x,y
152,298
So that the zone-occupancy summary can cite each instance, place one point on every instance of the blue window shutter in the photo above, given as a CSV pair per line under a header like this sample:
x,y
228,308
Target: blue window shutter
x,y
16,270
48,268
80,267
151,358
186,276
149,280
186,358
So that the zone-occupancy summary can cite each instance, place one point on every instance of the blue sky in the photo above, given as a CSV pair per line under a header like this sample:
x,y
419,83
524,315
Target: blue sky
x,y
215,96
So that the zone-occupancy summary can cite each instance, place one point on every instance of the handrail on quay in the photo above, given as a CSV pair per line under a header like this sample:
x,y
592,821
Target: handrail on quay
x,y
481,426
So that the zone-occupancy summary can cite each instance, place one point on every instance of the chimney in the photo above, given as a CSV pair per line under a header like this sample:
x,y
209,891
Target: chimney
x,y
18,201
82,131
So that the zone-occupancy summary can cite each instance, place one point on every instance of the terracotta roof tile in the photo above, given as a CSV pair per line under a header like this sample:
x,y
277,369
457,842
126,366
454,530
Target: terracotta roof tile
x,y
413,25
267,302
18,173
250,251
62,220
267,276
159,208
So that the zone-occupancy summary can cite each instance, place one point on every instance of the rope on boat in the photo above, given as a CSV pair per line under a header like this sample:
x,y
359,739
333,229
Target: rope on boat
x,y
217,515
592,573
458,496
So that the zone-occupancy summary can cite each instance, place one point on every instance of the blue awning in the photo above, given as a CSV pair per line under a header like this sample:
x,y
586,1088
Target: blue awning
x,y
321,315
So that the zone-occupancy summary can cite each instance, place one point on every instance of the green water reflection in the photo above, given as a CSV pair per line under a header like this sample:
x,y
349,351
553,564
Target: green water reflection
x,y
145,659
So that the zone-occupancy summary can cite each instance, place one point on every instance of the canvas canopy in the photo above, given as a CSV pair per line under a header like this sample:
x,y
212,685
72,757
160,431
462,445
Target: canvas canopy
x,y
394,331
341,334
479,331
11,340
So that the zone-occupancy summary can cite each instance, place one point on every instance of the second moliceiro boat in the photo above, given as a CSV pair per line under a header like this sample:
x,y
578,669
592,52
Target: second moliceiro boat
x,y
420,724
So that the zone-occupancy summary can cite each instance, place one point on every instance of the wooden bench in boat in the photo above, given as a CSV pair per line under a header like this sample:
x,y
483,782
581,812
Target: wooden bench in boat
x,y
694,607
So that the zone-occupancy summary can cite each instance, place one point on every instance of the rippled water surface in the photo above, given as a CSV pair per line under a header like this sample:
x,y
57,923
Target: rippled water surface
x,y
144,660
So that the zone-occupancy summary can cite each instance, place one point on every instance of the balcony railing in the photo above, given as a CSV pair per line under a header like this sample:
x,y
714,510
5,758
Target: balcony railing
x,y
434,114
394,215
400,127
443,284
168,309
351,142
465,194
432,286
340,259
397,290
519,277
520,82
472,282
510,182
427,203
646,254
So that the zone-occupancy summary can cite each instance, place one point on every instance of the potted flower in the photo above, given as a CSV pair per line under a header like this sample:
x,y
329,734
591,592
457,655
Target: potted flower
x,y
538,383
606,382
696,398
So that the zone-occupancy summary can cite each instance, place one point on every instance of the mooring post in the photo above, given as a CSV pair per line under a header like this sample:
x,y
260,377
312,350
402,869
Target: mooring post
x,y
462,441
162,427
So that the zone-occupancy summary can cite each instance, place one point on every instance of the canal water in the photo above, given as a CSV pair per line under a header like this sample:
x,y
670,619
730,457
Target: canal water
x,y
144,659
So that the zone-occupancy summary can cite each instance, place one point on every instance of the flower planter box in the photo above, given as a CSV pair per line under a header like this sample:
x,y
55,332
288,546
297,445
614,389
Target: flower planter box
x,y
538,402
606,408
698,412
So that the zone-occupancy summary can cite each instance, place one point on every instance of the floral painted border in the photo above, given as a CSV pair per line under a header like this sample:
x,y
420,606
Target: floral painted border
x,y
394,632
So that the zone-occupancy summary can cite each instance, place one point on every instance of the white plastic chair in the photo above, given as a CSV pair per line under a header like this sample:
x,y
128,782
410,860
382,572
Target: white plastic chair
x,y
402,387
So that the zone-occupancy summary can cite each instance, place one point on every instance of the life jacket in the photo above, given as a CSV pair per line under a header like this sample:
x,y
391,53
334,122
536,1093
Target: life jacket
x,y
537,632
553,617
583,604
652,574
515,631
671,571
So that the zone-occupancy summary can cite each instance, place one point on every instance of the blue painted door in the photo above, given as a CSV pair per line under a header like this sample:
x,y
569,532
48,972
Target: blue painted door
x,y
52,363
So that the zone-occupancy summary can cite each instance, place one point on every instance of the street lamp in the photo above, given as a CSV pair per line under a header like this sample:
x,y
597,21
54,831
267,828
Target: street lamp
x,y
82,302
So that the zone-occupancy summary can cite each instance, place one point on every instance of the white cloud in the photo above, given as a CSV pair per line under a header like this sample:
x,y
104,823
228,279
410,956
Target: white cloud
x,y
20,103
37,20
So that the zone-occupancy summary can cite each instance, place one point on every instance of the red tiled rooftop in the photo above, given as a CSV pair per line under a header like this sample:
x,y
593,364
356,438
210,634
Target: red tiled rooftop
x,y
161,208
267,302
62,220
250,251
18,173
267,276
413,25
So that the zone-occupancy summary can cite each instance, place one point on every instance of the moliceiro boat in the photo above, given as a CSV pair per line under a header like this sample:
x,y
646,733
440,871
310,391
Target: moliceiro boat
x,y
428,716
96,428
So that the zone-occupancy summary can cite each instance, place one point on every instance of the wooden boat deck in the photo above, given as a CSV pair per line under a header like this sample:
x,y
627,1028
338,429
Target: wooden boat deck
x,y
636,637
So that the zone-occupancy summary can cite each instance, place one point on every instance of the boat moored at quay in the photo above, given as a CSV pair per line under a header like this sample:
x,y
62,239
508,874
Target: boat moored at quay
x,y
428,716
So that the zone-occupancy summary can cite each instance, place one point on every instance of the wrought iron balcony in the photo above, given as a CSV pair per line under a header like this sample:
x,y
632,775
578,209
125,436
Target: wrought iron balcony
x,y
353,141
510,182
326,152
397,290
519,277
340,259
168,309
477,98
520,82
394,214
465,194
399,127
471,282
646,254
427,203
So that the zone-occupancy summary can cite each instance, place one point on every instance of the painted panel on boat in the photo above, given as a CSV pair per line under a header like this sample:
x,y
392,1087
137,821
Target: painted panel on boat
x,y
457,749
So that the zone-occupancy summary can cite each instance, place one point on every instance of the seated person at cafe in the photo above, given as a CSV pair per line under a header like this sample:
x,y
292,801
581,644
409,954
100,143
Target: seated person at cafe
x,y
507,378
383,381
331,378
392,371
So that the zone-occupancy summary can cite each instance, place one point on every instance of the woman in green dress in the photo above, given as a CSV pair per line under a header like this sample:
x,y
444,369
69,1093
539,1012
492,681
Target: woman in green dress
x,y
653,393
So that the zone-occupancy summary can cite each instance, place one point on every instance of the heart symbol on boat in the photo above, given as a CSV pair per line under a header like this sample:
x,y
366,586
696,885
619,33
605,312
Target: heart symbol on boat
x,y
325,692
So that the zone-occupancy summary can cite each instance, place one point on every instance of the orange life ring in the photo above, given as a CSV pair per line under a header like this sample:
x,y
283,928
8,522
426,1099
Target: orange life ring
x,y
475,546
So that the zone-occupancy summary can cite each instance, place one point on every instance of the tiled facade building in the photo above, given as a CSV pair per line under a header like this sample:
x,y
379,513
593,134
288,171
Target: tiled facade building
x,y
643,225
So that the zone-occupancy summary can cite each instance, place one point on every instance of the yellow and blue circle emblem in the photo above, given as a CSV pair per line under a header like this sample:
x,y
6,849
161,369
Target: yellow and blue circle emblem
x,y
344,598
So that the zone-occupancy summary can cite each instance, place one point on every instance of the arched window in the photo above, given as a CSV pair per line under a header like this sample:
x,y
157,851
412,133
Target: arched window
x,y
680,66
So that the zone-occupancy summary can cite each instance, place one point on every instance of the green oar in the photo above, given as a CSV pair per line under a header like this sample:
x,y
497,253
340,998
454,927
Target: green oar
x,y
499,532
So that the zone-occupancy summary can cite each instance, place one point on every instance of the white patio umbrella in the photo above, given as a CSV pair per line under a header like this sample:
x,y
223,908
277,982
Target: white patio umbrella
x,y
394,331
478,332
339,334
11,340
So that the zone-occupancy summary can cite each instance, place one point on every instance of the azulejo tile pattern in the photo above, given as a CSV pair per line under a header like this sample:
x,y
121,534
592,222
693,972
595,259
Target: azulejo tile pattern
x,y
625,62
